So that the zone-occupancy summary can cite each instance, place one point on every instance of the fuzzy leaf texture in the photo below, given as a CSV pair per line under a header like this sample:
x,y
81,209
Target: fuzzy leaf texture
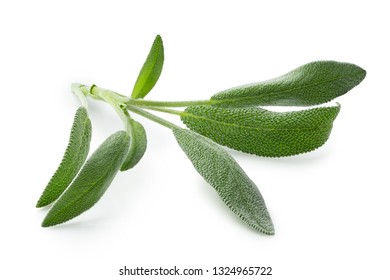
x,y
262,132
224,174
74,157
311,84
150,71
138,143
92,181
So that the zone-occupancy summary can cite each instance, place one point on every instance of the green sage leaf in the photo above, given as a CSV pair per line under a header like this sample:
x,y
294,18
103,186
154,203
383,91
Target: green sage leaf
x,y
311,84
224,174
75,155
138,143
92,181
150,71
262,132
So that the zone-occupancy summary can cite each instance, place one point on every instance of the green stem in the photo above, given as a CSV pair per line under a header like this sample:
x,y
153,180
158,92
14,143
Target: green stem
x,y
152,117
80,94
165,110
110,97
107,94
150,103
127,121
96,92
122,103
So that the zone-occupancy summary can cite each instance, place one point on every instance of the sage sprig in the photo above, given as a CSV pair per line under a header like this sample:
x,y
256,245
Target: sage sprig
x,y
229,118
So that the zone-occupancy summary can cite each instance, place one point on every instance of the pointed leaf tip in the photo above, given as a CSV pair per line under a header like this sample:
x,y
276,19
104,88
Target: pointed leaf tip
x,y
74,157
150,71
224,174
314,83
92,181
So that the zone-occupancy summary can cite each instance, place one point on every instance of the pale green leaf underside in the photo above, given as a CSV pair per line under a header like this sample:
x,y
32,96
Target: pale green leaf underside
x,y
262,132
138,143
223,173
92,181
74,157
311,84
150,71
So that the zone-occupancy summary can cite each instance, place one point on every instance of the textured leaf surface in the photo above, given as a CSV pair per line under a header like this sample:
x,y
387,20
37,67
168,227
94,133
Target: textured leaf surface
x,y
150,71
92,181
75,155
138,143
223,173
262,132
311,84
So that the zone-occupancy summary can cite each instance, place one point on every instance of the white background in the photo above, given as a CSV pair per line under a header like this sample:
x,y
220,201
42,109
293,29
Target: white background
x,y
330,207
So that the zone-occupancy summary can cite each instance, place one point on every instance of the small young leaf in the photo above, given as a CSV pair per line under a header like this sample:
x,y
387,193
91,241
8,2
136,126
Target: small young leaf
x,y
151,70
138,143
223,173
262,132
92,181
311,84
75,155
